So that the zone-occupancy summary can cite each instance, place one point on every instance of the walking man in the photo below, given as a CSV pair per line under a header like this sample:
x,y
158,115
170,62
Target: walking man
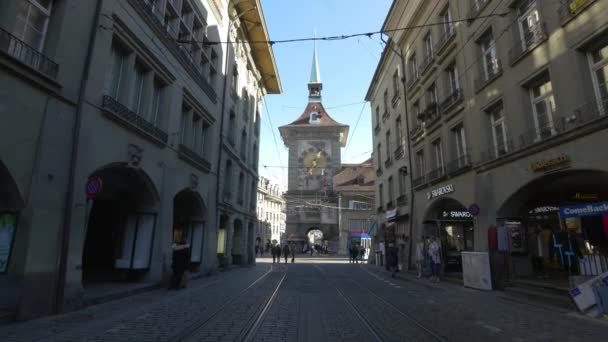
x,y
420,256
435,259
355,252
285,252
292,250
392,260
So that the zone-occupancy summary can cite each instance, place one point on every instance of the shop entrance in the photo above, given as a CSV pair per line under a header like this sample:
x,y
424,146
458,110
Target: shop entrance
x,y
547,241
189,223
237,243
10,205
450,220
120,227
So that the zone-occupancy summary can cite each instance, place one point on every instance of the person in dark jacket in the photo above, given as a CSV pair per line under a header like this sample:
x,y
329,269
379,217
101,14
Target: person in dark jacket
x,y
276,253
392,261
180,264
355,253
286,252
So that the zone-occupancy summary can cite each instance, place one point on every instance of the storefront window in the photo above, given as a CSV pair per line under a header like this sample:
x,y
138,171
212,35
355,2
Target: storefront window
x,y
599,69
8,225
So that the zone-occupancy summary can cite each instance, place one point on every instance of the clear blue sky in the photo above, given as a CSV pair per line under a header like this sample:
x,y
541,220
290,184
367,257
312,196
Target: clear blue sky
x,y
347,67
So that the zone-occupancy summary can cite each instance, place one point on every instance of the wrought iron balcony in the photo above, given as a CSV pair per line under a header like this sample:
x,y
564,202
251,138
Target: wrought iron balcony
x,y
194,158
416,131
451,101
443,41
497,151
426,64
436,174
130,118
395,100
22,52
487,73
532,39
571,8
432,115
399,152
388,162
419,182
402,200
458,165
386,115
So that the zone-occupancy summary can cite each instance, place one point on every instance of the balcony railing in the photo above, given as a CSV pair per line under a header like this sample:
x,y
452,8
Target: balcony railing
x,y
129,117
443,41
419,181
19,50
460,164
452,100
497,151
487,73
411,81
199,161
416,131
477,6
432,115
426,64
379,171
377,129
436,174
388,163
570,9
395,100
532,39
399,152
402,200
386,115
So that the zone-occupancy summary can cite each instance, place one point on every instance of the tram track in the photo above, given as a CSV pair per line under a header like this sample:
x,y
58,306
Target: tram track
x,y
376,328
252,323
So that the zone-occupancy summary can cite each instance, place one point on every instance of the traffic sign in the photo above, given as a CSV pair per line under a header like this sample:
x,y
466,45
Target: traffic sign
x,y
93,187
474,209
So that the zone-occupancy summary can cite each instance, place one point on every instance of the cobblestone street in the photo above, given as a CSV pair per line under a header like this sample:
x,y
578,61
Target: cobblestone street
x,y
315,299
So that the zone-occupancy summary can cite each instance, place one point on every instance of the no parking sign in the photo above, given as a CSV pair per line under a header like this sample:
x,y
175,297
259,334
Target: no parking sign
x,y
93,187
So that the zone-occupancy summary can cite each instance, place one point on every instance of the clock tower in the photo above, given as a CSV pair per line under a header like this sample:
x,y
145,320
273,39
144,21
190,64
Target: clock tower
x,y
314,141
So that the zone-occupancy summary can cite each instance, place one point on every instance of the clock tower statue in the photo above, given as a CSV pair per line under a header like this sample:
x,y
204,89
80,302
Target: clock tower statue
x,y
314,141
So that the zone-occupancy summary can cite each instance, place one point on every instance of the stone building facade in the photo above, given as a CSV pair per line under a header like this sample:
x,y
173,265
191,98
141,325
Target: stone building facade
x,y
110,111
270,212
506,105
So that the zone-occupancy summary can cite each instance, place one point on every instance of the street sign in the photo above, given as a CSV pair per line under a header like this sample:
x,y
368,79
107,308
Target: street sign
x,y
93,187
474,209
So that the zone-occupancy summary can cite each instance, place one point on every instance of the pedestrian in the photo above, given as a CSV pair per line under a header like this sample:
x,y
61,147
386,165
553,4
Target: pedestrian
x,y
435,259
292,250
355,252
311,250
257,250
275,254
420,253
392,260
362,253
179,264
286,252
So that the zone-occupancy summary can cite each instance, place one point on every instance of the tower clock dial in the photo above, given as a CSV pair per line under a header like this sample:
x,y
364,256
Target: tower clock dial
x,y
314,162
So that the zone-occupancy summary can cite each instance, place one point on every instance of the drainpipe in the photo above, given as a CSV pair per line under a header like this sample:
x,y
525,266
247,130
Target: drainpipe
x,y
67,215
401,55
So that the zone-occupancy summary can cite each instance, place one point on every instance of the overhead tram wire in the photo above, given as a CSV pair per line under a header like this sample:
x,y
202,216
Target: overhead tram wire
x,y
341,37
355,129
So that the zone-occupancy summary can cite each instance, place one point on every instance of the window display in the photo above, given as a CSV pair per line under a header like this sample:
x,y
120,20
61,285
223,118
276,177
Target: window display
x,y
8,225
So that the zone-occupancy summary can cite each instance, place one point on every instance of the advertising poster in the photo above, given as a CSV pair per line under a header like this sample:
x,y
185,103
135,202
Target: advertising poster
x,y
476,270
8,224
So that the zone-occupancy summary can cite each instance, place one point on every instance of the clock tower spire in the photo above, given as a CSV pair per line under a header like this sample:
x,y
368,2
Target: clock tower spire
x,y
315,85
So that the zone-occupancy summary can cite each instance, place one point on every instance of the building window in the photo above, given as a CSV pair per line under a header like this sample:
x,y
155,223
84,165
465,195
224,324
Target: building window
x,y
420,167
489,59
499,130
428,47
228,178
460,144
235,80
543,107
157,96
378,116
446,19
186,112
396,83
431,96
380,195
416,113
402,182
244,144
528,22
390,189
379,156
438,154
137,89
232,128
598,60
413,68
453,80
32,22
115,78
385,102
388,144
398,132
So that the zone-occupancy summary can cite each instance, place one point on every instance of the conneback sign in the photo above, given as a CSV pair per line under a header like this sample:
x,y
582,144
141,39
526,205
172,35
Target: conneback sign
x,y
589,209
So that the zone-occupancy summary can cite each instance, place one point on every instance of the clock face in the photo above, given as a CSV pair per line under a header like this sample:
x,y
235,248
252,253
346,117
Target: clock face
x,y
314,165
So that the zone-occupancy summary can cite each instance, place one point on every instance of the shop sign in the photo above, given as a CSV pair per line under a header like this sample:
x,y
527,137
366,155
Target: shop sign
x,y
543,210
444,190
391,213
457,214
589,209
93,187
587,197
8,225
550,164
575,5
474,209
